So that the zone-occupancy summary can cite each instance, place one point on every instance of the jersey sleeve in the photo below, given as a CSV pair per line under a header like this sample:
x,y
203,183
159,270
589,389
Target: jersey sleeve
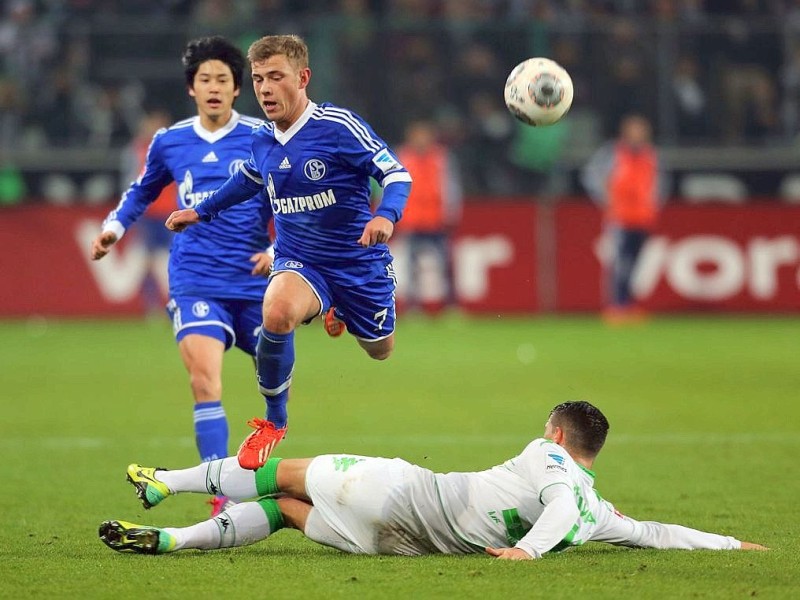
x,y
624,531
558,518
543,465
363,150
154,178
245,183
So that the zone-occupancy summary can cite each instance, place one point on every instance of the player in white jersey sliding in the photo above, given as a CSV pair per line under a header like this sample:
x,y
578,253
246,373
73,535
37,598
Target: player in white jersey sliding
x,y
542,500
217,273
315,162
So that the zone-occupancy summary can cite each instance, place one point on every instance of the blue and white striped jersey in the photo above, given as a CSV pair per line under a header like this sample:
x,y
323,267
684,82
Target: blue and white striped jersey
x,y
316,174
211,259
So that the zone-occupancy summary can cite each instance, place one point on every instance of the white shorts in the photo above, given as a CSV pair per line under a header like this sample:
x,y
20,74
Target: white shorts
x,y
361,505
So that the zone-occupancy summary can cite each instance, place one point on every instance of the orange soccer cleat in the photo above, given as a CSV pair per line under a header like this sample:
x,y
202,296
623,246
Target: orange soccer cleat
x,y
257,446
333,327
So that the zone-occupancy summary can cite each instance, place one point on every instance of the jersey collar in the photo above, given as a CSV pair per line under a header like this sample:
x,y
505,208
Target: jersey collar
x,y
283,137
215,136
587,471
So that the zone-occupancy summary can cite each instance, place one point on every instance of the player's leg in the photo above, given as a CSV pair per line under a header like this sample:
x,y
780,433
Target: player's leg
x,y
292,297
202,356
378,349
240,525
288,301
204,331
221,477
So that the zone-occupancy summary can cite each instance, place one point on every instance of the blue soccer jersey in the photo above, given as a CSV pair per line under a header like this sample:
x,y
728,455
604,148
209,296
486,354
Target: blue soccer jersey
x,y
316,175
213,259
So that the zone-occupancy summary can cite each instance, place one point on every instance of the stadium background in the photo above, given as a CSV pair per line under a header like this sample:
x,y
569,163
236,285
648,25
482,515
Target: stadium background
x,y
702,398
719,80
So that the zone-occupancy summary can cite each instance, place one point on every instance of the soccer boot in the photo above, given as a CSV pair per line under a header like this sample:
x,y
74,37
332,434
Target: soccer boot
x,y
149,489
333,327
219,504
257,446
127,537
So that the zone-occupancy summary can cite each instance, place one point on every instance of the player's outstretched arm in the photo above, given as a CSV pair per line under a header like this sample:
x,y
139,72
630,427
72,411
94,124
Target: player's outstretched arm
x,y
102,244
509,554
626,531
181,219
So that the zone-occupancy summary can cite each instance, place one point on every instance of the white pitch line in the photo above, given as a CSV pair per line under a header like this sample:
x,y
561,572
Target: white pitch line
x,y
420,440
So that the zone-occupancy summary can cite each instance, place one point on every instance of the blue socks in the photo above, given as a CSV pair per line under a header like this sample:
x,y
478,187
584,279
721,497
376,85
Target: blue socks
x,y
275,361
210,430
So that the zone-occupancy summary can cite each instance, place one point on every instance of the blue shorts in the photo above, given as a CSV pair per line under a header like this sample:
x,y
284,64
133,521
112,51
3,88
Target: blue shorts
x,y
232,322
368,309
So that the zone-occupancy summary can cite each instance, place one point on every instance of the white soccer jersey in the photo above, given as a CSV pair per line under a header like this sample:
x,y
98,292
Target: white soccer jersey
x,y
502,506
539,501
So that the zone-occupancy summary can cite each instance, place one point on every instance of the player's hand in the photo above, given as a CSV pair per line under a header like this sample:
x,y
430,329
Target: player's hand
x,y
752,546
102,244
377,231
263,263
508,554
181,219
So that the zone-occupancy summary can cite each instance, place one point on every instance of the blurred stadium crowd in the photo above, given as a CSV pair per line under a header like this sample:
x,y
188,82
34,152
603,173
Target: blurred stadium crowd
x,y
80,74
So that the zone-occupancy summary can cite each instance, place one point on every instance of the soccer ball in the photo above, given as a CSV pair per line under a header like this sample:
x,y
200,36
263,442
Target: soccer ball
x,y
538,92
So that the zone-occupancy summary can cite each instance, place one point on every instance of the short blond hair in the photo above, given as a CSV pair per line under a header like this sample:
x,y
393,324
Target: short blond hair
x,y
291,46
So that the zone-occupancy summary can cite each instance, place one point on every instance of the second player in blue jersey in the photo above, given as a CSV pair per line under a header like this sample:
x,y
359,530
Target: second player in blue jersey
x,y
315,162
216,271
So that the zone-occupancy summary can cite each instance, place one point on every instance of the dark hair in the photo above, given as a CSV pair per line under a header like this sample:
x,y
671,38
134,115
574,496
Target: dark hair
x,y
212,48
585,427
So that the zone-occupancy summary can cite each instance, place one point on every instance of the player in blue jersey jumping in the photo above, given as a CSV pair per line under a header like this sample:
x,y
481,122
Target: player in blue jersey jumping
x,y
315,161
217,272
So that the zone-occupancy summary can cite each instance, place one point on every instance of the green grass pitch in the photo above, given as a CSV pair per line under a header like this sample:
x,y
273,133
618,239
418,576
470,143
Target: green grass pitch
x,y
705,431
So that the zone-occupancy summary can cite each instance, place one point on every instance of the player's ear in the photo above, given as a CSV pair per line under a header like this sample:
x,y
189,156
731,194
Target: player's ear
x,y
305,77
558,435
190,89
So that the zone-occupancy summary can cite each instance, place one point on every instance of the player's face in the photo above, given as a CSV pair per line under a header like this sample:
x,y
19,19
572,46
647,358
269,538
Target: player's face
x,y
214,92
280,89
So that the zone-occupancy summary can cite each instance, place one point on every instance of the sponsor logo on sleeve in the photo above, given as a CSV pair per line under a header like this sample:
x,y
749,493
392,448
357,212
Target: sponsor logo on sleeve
x,y
555,462
386,162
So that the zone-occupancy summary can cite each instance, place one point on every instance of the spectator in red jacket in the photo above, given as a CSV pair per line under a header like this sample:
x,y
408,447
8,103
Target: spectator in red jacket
x,y
433,208
624,177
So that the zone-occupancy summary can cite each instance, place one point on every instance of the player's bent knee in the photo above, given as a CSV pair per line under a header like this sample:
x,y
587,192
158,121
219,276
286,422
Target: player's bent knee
x,y
295,512
380,355
277,322
205,388
380,350
280,319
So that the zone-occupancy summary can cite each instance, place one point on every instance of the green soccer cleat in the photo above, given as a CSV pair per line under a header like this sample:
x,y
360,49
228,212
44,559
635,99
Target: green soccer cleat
x,y
149,489
141,539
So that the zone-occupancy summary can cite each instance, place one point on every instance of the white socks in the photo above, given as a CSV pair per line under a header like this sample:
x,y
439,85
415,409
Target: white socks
x,y
240,525
223,477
